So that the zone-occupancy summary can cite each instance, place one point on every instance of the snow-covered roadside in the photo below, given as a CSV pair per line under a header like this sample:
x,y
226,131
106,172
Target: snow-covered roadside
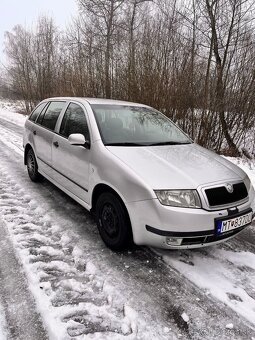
x,y
248,166
222,273
8,111
12,140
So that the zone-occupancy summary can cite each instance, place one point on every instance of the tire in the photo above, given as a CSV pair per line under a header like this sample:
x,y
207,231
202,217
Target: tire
x,y
113,222
32,167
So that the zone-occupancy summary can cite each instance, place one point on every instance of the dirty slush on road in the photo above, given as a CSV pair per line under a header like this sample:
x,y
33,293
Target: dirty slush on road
x,y
82,289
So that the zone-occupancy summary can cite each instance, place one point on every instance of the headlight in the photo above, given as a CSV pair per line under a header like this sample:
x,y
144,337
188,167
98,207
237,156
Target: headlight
x,y
179,198
247,183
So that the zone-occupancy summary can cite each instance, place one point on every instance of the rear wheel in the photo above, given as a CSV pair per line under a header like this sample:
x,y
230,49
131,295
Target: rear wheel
x,y
113,222
32,167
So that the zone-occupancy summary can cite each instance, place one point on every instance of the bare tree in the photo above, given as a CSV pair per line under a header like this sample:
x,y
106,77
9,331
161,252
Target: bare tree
x,y
18,49
193,60
104,16
224,18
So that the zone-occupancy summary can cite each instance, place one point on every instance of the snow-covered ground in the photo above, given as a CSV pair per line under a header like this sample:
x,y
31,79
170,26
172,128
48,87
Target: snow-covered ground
x,y
10,111
3,326
247,165
84,291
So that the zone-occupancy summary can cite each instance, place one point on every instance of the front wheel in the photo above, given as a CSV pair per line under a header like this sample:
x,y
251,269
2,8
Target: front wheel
x,y
32,167
113,222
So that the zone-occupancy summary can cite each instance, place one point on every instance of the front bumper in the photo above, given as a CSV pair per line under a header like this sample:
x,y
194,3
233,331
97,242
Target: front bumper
x,y
156,225
196,241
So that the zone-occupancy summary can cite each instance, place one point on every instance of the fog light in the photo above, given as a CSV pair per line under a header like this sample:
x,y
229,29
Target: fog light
x,y
171,241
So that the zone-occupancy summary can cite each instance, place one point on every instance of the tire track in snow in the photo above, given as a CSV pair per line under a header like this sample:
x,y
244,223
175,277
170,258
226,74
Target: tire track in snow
x,y
70,285
22,321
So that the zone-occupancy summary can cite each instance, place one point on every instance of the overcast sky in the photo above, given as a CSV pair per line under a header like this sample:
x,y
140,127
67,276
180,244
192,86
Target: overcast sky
x,y
25,12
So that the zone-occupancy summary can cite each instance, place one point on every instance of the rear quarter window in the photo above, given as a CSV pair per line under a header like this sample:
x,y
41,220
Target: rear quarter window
x,y
36,112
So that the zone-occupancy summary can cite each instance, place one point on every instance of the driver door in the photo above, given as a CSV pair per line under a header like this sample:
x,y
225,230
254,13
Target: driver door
x,y
71,162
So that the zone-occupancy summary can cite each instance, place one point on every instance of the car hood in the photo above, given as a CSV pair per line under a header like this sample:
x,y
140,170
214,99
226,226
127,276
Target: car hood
x,y
177,166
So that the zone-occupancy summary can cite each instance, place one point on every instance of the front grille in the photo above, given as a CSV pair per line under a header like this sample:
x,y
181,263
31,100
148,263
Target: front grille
x,y
220,195
193,240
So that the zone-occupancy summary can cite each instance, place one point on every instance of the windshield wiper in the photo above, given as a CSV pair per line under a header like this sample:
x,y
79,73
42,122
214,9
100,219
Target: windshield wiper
x,y
146,144
125,144
169,143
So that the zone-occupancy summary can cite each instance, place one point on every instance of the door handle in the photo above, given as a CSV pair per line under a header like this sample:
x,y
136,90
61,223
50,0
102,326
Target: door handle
x,y
34,132
56,144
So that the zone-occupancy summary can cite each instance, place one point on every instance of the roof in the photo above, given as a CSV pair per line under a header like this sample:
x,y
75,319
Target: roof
x,y
98,101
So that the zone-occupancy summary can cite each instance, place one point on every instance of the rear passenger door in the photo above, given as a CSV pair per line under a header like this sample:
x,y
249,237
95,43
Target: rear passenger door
x,y
71,162
43,135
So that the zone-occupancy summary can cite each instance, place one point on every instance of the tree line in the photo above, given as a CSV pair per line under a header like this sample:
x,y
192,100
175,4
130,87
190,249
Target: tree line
x,y
192,60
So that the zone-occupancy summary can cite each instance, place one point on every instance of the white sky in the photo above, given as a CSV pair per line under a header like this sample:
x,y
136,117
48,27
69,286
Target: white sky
x,y
25,12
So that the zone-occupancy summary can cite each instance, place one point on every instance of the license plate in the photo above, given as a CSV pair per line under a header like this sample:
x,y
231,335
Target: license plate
x,y
233,223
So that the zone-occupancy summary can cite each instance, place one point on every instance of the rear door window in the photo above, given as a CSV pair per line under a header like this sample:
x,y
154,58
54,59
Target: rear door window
x,y
41,115
37,111
74,121
50,117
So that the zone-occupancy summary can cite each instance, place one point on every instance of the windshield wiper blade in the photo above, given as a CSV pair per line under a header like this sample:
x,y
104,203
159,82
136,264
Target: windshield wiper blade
x,y
169,143
145,144
125,144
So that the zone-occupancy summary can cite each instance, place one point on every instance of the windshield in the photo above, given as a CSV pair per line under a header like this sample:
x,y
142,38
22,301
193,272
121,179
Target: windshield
x,y
136,126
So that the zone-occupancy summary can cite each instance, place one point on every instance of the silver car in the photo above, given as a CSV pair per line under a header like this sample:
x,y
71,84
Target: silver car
x,y
145,180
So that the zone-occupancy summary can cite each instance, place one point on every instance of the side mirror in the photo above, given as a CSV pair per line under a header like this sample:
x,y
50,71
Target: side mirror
x,y
79,140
